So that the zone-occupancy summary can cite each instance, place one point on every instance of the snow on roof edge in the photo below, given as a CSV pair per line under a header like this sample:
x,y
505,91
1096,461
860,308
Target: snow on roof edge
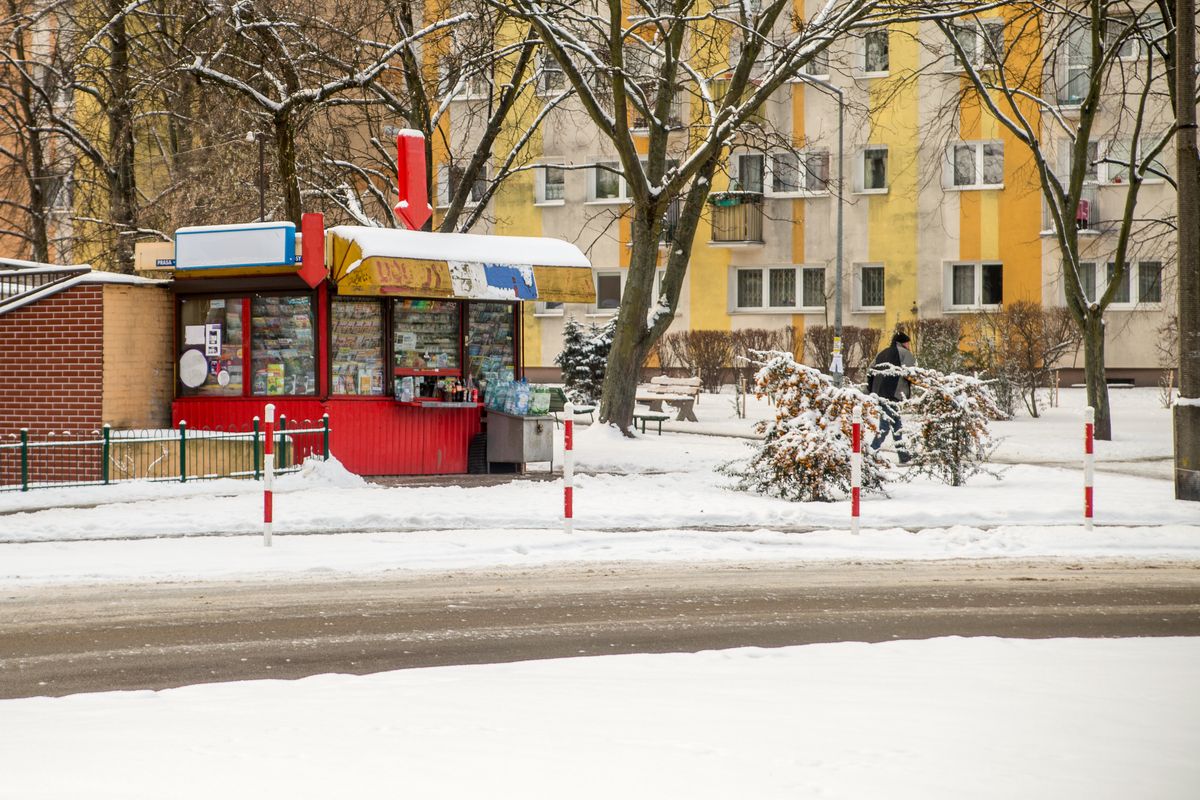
x,y
473,247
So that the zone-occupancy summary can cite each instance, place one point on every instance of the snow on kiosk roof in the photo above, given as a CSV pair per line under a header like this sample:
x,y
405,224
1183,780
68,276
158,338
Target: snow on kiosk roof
x,y
380,261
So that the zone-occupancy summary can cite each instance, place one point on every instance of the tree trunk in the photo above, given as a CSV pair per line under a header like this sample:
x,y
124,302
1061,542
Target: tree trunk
x,y
122,184
1094,373
1187,415
631,340
285,161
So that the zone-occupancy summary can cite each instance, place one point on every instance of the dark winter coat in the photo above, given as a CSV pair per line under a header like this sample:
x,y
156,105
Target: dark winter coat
x,y
890,387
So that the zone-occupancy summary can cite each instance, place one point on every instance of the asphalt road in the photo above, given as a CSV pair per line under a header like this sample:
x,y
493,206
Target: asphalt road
x,y
62,640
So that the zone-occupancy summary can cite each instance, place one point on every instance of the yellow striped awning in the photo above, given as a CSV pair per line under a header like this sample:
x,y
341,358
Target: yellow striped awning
x,y
378,261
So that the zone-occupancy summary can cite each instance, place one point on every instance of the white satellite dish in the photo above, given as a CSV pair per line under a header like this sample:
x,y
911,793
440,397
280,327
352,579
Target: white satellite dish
x,y
193,368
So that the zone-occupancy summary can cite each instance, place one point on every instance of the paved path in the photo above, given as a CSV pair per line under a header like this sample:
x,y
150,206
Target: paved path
x,y
62,640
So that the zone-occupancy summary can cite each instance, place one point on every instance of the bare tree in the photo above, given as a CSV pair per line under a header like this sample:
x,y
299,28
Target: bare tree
x,y
288,60
1084,45
637,62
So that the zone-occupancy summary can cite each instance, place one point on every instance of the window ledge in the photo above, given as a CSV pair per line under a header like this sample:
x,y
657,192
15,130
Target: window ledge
x,y
551,314
870,76
868,310
871,191
615,201
1081,232
822,77
549,203
598,313
987,187
795,195
777,310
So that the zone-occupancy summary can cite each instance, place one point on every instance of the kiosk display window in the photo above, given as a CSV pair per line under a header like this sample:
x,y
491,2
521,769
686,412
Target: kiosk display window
x,y
426,337
491,352
282,345
211,357
357,344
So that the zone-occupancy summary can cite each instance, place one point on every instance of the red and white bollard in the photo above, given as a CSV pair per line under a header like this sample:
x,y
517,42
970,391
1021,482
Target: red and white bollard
x,y
568,465
268,471
855,467
1089,464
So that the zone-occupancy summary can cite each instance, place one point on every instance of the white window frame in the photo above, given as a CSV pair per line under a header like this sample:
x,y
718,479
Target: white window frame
x,y
856,303
443,186
475,87
798,307
622,186
541,308
597,273
1146,23
863,72
548,65
976,303
539,184
735,168
861,170
978,185
980,29
1133,275
803,173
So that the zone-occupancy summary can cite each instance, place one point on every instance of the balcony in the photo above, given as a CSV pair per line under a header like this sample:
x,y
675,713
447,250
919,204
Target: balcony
x,y
737,218
1088,220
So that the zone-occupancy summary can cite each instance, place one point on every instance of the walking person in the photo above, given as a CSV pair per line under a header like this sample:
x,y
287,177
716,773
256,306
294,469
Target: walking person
x,y
891,389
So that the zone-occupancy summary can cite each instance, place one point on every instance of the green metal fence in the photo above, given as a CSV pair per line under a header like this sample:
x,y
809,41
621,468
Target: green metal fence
x,y
36,460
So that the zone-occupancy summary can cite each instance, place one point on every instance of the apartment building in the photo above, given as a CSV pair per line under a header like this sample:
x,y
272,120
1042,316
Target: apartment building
x,y
943,212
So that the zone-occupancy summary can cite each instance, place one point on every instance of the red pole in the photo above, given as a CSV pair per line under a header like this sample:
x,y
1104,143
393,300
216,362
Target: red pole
x,y
268,471
855,467
1089,465
568,466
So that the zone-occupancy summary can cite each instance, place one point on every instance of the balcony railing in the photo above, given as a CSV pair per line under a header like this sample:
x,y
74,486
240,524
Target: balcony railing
x,y
1088,219
737,217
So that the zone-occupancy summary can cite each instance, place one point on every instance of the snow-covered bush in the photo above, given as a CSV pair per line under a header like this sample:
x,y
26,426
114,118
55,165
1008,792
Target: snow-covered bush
x,y
946,423
937,343
584,358
806,452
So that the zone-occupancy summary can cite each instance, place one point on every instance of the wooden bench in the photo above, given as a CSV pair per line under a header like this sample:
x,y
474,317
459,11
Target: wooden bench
x,y
679,393
558,402
650,416
688,386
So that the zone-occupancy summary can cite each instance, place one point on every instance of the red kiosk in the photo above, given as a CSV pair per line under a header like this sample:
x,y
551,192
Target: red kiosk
x,y
392,333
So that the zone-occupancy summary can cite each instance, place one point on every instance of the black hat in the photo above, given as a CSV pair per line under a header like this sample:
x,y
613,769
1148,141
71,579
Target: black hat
x,y
900,337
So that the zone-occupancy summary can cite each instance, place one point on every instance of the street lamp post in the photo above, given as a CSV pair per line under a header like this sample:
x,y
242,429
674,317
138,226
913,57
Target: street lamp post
x,y
836,367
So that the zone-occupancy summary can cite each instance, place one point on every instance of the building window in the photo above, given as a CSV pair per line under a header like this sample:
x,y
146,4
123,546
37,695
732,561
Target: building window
x,y
875,52
607,183
550,186
977,165
799,173
450,177
874,165
1146,288
982,42
780,288
818,66
975,285
750,171
870,287
608,291
552,79
547,309
1076,67
1133,37
1149,282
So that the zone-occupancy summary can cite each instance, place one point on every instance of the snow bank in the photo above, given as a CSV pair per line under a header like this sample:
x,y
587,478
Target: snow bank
x,y
945,718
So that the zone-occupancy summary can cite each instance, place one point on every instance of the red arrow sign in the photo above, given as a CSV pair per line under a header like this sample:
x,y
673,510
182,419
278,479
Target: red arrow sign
x,y
413,209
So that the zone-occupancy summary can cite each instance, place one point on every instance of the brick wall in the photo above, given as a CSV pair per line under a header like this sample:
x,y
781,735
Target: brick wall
x,y
139,364
51,356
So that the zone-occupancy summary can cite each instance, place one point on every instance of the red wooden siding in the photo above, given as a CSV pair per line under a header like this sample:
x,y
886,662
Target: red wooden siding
x,y
370,437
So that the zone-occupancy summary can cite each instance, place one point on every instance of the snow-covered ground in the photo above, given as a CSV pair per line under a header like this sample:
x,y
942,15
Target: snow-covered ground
x,y
653,498
942,718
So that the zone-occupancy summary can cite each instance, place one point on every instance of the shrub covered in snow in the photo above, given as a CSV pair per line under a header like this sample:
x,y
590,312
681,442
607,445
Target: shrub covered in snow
x,y
584,358
946,423
807,448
